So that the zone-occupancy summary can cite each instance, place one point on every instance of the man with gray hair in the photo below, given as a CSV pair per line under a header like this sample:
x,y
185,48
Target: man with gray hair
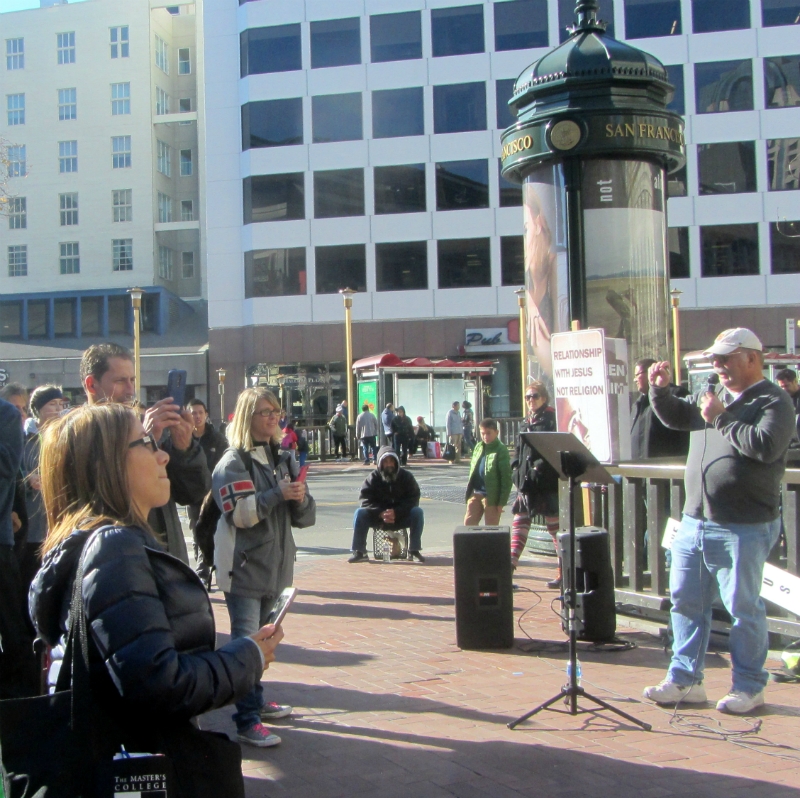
x,y
740,430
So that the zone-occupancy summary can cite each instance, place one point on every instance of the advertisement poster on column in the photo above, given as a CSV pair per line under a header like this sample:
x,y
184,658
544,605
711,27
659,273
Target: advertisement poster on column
x,y
590,374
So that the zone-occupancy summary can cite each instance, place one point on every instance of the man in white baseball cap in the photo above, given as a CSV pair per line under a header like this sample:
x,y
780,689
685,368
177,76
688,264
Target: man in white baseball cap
x,y
739,433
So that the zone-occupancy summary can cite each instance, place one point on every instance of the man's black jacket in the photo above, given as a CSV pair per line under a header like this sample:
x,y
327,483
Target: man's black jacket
x,y
402,495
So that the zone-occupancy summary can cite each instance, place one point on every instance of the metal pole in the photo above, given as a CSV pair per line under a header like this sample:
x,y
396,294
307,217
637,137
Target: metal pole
x,y
347,295
136,301
523,346
676,333
221,390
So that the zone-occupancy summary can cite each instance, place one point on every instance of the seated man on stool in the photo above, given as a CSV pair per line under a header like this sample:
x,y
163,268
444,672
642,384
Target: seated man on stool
x,y
389,500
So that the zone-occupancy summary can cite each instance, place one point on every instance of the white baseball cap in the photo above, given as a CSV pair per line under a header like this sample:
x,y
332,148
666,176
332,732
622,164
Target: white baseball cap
x,y
729,341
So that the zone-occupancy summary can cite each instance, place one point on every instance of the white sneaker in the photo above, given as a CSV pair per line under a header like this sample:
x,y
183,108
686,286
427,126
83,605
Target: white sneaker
x,y
737,702
668,692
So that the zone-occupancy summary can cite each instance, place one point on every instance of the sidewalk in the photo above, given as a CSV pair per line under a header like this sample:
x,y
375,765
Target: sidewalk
x,y
386,704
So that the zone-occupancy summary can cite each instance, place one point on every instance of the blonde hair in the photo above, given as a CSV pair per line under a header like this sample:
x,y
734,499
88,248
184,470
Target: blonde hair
x,y
84,471
238,431
541,389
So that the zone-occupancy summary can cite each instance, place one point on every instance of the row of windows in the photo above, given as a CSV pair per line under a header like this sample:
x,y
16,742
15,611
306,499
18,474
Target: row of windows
x,y
68,104
466,263
518,25
720,87
121,209
119,44
69,260
120,157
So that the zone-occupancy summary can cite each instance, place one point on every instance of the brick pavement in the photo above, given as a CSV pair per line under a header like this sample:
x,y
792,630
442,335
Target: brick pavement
x,y
386,704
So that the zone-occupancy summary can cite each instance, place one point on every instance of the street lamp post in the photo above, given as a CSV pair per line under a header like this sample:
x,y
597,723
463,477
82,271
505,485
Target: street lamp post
x,y
676,332
523,353
136,301
347,296
221,390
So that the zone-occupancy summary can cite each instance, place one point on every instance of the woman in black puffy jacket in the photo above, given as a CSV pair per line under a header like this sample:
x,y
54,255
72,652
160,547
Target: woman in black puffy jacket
x,y
152,662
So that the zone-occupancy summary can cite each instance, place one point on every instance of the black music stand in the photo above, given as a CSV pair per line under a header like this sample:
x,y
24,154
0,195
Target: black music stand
x,y
572,460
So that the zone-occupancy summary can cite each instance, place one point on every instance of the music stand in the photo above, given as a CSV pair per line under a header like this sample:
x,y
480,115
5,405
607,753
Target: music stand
x,y
572,460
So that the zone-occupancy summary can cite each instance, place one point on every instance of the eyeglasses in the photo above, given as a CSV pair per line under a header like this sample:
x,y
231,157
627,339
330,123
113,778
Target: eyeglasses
x,y
532,396
267,413
148,440
723,359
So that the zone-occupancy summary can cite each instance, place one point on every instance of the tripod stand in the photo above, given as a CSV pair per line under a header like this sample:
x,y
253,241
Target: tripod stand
x,y
573,464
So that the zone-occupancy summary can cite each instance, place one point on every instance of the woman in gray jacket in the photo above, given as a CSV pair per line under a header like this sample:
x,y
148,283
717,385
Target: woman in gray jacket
x,y
255,486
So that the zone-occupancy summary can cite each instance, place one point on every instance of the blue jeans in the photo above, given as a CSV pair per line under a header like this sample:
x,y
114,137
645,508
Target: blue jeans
x,y
363,519
247,617
709,559
369,445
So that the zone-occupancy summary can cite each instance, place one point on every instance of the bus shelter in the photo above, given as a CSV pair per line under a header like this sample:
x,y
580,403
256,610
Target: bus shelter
x,y
423,387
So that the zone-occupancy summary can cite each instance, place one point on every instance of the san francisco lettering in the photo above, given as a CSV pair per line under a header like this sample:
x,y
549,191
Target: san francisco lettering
x,y
515,146
643,130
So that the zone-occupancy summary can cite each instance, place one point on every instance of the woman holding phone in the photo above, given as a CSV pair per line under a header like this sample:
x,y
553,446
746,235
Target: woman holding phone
x,y
152,661
256,487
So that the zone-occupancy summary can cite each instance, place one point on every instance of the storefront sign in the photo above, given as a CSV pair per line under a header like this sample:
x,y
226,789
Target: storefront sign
x,y
487,336
3,377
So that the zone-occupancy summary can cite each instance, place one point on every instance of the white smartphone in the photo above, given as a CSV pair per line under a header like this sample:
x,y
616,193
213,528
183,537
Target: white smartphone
x,y
281,606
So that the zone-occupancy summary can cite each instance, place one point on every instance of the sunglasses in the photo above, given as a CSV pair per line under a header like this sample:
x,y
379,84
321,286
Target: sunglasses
x,y
267,413
532,396
148,440
723,359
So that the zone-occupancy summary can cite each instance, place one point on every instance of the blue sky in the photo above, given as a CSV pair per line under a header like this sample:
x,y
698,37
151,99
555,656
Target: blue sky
x,y
20,5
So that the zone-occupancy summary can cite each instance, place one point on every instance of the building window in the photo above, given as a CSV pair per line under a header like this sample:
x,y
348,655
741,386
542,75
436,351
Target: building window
x,y
122,205
512,260
120,99
121,152
17,213
722,86
275,272
187,211
273,49
164,208
187,265
709,16
270,198
162,55
675,77
462,184
676,183
783,164
18,261
343,266
510,193
400,189
784,243
15,103
782,79
520,25
15,53
503,91
185,106
68,209
566,16
64,318
66,47
338,192
395,37
648,18
335,42
398,112
17,165
402,266
37,319
122,254
162,102
457,31
779,12
187,167
729,250
336,117
163,160
464,263
67,104
165,263
69,260
67,156
459,107
184,61
10,320
678,243
272,123
120,46
727,168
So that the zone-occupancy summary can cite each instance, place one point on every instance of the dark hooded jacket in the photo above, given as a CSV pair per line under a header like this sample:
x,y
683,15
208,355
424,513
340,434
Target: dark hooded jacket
x,y
402,495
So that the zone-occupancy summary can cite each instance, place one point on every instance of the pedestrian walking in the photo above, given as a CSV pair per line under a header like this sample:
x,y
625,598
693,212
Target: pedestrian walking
x,y
454,427
338,428
367,434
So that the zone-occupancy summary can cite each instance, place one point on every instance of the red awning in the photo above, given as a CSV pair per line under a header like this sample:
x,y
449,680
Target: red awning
x,y
388,360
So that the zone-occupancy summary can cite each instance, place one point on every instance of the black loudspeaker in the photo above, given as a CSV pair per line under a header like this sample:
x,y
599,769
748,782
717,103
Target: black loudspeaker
x,y
484,595
595,603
